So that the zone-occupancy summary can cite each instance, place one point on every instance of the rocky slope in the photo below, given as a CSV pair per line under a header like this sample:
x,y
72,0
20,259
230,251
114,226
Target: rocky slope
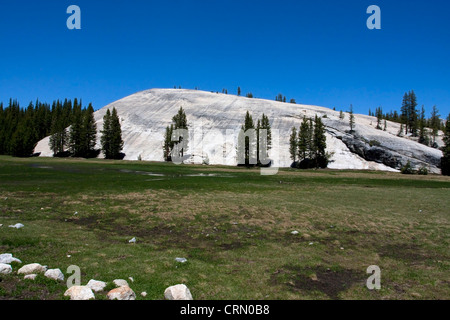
x,y
214,119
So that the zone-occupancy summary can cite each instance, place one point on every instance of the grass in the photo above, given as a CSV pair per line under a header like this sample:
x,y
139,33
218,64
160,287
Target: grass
x,y
231,224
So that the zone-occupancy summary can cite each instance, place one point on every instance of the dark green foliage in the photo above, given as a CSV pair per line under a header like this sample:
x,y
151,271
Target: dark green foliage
x,y
351,119
407,169
293,144
311,144
179,121
21,129
111,138
445,160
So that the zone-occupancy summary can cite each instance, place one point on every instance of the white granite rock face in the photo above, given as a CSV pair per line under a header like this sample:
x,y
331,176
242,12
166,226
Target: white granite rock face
x,y
145,115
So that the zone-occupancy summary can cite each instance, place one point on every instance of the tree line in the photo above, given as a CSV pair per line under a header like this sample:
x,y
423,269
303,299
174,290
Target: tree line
x,y
71,127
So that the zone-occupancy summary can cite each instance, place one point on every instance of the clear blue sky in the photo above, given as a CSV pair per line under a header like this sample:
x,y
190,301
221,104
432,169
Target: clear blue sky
x,y
318,52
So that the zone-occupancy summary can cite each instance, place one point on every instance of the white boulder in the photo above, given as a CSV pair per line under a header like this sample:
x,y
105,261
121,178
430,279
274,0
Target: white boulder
x,y
30,276
8,258
122,293
178,292
55,274
79,293
121,283
5,268
32,268
96,286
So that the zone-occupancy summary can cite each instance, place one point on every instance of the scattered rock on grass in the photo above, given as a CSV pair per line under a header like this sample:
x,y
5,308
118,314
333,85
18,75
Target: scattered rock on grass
x,y
121,283
5,268
30,276
17,226
32,268
122,293
96,286
79,293
181,260
178,292
54,274
8,258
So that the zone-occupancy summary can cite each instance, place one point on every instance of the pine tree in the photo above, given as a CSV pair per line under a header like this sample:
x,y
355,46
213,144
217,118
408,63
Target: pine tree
x,y
239,91
89,130
106,135
168,144
413,113
320,144
304,137
352,119
445,160
435,123
423,138
116,136
180,122
76,132
293,144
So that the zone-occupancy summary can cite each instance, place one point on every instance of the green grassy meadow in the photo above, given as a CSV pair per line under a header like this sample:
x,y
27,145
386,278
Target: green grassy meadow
x,y
231,224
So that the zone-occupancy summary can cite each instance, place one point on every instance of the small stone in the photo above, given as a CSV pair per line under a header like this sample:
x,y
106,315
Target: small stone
x,y
314,277
131,279
295,232
144,294
32,268
5,268
178,292
17,226
79,293
54,274
181,260
96,286
311,243
121,283
132,240
122,293
30,276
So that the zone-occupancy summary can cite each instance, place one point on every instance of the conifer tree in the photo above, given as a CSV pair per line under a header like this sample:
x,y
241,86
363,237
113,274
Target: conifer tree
x,y
293,144
116,136
352,119
89,131
445,160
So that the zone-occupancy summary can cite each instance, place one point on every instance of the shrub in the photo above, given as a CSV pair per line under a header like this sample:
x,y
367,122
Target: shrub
x,y
407,169
423,171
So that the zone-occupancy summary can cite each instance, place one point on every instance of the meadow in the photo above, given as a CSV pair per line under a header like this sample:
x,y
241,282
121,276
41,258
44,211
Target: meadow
x,y
234,227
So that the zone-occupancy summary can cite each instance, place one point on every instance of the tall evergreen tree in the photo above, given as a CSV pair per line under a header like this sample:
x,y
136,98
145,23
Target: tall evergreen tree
x,y
320,144
304,137
89,131
435,123
116,136
352,119
445,160
76,132
106,135
293,144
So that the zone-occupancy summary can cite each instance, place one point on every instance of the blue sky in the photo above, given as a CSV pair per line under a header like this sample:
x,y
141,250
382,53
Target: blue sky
x,y
318,52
